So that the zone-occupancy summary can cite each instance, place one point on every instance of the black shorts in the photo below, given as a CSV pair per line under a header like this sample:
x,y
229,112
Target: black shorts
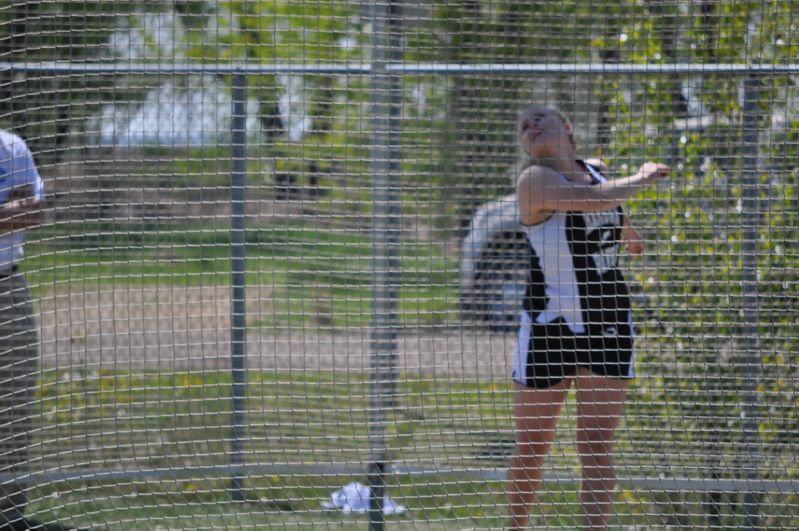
x,y
549,352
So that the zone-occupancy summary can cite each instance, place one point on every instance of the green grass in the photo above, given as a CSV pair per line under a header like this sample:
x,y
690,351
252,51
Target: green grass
x,y
314,277
182,420
295,417
175,420
455,504
109,420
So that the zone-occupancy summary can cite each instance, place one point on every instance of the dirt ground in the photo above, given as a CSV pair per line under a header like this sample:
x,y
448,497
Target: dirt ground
x,y
136,328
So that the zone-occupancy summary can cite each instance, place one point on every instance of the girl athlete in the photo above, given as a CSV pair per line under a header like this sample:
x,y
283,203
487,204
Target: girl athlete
x,y
575,325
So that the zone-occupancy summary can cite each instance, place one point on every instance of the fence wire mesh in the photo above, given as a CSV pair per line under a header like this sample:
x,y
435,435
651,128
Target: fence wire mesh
x,y
282,258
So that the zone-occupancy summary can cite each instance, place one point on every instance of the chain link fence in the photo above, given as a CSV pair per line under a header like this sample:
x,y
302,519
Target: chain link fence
x,y
282,255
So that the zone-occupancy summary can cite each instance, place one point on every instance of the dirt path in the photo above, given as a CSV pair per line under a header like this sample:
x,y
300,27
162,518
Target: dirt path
x,y
135,328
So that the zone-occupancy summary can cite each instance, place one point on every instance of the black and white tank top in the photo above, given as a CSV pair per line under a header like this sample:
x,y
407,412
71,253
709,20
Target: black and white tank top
x,y
574,275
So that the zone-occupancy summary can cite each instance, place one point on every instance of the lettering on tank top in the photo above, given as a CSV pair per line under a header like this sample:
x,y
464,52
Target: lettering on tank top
x,y
600,228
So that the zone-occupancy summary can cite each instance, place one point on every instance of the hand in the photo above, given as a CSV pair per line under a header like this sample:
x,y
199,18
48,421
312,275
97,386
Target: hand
x,y
636,246
20,214
14,204
653,170
632,239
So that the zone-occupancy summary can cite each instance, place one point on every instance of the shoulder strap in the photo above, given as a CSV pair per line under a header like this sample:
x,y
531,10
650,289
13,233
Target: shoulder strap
x,y
594,172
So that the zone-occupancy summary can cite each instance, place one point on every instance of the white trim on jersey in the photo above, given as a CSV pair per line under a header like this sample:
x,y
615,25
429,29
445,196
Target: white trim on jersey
x,y
521,353
593,172
562,291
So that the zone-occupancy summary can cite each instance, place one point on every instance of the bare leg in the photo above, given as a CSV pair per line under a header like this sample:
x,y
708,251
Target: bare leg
x,y
536,413
600,405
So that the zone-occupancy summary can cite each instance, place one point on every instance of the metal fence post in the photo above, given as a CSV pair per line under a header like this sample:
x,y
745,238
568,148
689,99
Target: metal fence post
x,y
751,369
384,89
237,317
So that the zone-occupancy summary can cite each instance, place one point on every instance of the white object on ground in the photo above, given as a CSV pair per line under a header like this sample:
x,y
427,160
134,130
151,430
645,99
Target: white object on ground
x,y
354,498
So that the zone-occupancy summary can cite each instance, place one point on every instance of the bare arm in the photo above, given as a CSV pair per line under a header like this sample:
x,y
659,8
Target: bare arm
x,y
630,236
22,210
541,190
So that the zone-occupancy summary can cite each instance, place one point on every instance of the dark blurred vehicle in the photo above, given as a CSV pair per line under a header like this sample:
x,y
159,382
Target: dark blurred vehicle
x,y
494,266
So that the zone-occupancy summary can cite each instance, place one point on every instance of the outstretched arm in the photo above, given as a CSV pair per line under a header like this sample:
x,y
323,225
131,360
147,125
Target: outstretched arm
x,y
541,189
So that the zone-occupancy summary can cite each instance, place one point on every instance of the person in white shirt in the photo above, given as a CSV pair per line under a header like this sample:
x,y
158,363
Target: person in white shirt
x,y
21,202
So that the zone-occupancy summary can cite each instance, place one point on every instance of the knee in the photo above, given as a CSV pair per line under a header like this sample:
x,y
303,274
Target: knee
x,y
596,454
532,444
